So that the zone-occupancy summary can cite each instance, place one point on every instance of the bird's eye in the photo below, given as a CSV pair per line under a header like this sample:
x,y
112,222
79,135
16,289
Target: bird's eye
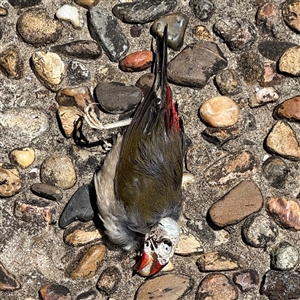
x,y
167,246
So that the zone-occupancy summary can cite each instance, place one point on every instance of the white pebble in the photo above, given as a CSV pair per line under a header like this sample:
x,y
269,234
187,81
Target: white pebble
x,y
70,14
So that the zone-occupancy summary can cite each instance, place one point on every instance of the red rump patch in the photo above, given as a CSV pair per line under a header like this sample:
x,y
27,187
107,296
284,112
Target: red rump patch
x,y
171,111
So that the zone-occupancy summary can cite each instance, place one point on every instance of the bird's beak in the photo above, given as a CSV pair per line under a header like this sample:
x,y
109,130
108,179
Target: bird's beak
x,y
147,261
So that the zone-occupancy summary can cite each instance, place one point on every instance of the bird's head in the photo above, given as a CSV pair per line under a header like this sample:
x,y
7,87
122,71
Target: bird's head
x,y
159,246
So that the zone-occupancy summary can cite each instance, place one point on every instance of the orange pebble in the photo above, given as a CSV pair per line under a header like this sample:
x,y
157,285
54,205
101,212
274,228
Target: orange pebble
x,y
137,61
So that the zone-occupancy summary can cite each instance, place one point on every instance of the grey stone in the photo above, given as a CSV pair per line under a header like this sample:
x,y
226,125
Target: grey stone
x,y
274,49
47,191
246,280
23,3
77,72
284,256
203,9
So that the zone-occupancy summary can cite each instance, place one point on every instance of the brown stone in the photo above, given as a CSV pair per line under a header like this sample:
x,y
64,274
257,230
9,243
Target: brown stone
x,y
289,109
10,182
88,265
47,191
55,292
240,202
291,14
137,61
267,16
187,245
246,280
285,212
270,77
145,83
216,287
11,63
23,157
8,282
201,32
289,62
87,3
217,261
109,280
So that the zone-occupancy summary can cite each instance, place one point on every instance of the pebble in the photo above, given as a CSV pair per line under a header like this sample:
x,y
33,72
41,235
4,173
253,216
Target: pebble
x,y
290,12
11,63
82,234
143,12
105,29
246,280
79,96
227,83
170,286
177,23
273,50
145,83
270,77
275,171
288,109
268,17
47,191
188,245
220,111
79,206
49,69
196,63
22,157
116,97
58,170
289,62
278,285
136,61
77,72
216,287
238,33
240,202
87,264
217,261
285,212
203,9
55,292
109,280
86,3
201,32
3,11
219,136
88,295
84,49
136,30
37,28
23,3
70,13
231,167
282,140
8,281
263,96
38,211
24,123
284,256
259,231
10,181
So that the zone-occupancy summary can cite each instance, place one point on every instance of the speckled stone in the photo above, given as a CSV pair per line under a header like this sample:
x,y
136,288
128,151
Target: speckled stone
x,y
22,157
216,287
289,62
137,61
105,29
284,256
11,63
288,109
291,14
238,33
77,72
275,171
240,202
109,280
87,263
278,285
55,292
37,28
58,170
201,32
263,96
143,12
170,287
246,280
202,9
70,13
49,69
282,140
259,231
177,23
269,76
196,63
220,111
227,83
10,181
268,17
8,281
285,212
47,191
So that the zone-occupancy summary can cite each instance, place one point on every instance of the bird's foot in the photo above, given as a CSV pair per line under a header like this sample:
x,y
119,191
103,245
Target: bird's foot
x,y
92,119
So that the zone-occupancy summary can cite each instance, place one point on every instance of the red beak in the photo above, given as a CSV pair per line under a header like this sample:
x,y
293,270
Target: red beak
x,y
145,261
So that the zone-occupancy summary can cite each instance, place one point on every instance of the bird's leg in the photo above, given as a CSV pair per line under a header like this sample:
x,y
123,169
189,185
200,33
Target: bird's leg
x,y
93,121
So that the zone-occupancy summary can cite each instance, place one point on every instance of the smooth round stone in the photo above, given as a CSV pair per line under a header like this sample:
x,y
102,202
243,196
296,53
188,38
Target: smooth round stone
x,y
109,280
268,16
227,82
11,62
23,157
8,281
263,96
216,287
145,83
284,256
291,14
86,3
88,295
289,62
47,191
288,109
55,291
275,171
70,14
177,23
238,33
202,9
49,69
37,28
58,170
219,111
136,61
246,280
10,181
259,231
